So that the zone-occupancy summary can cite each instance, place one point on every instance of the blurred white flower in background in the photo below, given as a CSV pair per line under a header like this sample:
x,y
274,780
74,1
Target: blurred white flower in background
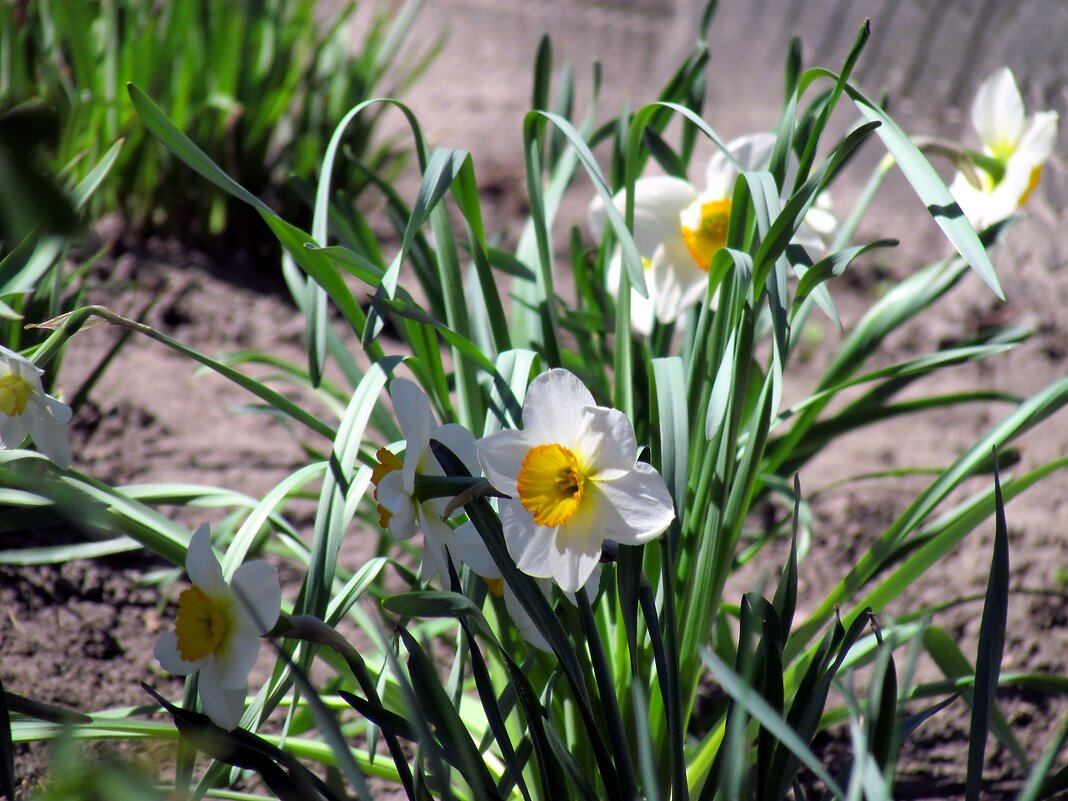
x,y
678,229
1015,146
218,628
574,481
25,410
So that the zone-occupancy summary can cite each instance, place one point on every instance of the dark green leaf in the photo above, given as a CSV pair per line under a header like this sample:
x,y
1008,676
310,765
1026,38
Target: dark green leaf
x,y
991,645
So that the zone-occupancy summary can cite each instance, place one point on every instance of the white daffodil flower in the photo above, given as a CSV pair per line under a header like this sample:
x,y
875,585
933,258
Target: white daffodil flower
x,y
219,627
574,481
394,480
25,410
1019,146
678,229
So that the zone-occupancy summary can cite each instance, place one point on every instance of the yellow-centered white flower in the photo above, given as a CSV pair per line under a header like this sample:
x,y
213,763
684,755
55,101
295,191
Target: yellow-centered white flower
x,y
1019,145
219,627
574,481
394,479
678,229
25,410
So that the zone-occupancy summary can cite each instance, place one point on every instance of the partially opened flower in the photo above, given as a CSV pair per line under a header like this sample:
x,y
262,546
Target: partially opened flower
x,y
25,410
1015,146
219,627
394,479
574,481
678,229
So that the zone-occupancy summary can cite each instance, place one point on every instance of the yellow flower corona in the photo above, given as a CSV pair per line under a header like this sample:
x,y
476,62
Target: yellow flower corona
x,y
551,484
704,229
387,463
201,625
14,394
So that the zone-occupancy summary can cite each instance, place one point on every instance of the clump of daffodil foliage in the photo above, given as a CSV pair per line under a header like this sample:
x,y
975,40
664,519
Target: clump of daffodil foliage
x,y
560,467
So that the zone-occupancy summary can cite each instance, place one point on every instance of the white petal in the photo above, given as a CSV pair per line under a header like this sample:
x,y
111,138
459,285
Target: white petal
x,y
14,430
527,543
658,202
972,201
635,508
437,537
576,550
223,705
472,551
1036,144
607,445
29,372
259,597
60,411
234,660
984,208
642,310
1014,186
567,554
461,442
399,504
48,434
821,217
613,271
166,653
552,411
412,408
11,359
523,622
998,112
202,566
501,455
593,584
752,152
679,282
